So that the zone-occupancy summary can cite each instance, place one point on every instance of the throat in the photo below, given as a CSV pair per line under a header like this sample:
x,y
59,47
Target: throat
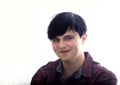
x,y
70,68
68,71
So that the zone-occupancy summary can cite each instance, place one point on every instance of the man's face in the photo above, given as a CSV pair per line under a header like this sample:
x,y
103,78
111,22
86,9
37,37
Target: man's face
x,y
68,46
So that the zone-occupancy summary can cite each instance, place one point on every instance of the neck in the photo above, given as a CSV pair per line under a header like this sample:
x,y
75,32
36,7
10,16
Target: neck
x,y
73,66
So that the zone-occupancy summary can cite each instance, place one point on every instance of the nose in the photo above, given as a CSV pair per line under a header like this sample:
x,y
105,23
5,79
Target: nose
x,y
62,44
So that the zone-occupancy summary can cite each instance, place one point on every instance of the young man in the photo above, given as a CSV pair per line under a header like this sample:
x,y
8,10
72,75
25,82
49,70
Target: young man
x,y
67,32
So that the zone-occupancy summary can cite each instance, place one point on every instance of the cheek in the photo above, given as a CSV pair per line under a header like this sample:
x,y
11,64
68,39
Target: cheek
x,y
74,44
54,47
77,46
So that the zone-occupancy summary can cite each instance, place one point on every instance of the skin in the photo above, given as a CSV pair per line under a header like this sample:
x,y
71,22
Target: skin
x,y
68,47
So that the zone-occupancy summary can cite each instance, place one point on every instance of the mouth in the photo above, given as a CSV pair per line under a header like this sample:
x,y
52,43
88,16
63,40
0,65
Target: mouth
x,y
64,52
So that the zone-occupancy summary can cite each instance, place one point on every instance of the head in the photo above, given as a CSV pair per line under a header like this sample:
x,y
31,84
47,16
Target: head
x,y
65,21
67,31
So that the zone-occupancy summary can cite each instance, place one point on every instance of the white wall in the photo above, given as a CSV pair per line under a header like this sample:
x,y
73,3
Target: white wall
x,y
24,46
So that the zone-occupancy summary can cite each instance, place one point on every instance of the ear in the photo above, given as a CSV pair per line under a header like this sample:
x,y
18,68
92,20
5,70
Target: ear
x,y
84,37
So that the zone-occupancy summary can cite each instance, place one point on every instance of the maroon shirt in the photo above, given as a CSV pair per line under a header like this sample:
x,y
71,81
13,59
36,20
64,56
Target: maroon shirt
x,y
91,73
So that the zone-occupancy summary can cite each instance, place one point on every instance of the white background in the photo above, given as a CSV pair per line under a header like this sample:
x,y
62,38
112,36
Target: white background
x,y
24,46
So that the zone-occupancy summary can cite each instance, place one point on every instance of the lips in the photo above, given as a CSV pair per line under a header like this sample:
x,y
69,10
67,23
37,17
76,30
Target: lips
x,y
64,52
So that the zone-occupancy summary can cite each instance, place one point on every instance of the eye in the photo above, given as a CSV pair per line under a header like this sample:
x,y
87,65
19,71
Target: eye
x,y
55,40
68,38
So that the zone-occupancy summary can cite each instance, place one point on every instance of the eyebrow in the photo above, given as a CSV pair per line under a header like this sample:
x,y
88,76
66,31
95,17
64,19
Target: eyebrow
x,y
65,35
68,35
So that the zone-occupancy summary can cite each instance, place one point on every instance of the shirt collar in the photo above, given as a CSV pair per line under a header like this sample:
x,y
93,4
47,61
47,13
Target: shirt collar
x,y
85,70
59,66
87,67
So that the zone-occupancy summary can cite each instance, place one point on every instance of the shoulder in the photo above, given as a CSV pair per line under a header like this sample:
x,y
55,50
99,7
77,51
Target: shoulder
x,y
103,75
99,74
40,77
49,65
44,70
99,69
